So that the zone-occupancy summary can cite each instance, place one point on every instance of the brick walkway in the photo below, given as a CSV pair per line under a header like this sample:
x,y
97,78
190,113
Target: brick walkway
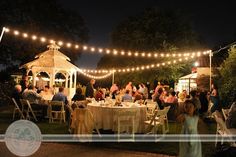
x,y
75,150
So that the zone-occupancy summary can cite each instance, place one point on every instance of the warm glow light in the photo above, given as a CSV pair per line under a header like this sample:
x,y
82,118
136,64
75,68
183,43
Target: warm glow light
x,y
92,49
25,35
107,51
143,54
60,43
34,37
43,39
76,46
114,52
155,55
136,54
85,47
129,53
16,32
100,50
122,53
68,44
162,55
6,29
149,55
196,64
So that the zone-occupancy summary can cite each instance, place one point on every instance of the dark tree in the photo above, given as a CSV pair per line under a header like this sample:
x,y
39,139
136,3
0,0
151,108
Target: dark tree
x,y
41,17
152,30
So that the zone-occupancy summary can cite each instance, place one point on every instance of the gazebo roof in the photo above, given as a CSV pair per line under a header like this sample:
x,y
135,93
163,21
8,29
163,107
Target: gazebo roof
x,y
189,76
51,58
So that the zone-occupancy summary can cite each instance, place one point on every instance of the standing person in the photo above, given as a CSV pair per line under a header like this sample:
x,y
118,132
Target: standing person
x,y
190,122
90,89
113,90
214,97
129,87
204,101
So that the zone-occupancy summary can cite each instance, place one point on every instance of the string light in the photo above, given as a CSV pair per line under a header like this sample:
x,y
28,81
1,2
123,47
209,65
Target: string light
x,y
143,67
108,51
94,77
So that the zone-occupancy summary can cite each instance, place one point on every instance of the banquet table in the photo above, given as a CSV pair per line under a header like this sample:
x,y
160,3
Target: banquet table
x,y
105,115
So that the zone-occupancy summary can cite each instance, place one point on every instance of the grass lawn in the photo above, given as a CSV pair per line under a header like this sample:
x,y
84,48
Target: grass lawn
x,y
170,148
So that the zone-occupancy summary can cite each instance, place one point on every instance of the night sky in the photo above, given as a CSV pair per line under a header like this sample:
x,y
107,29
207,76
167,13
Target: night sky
x,y
214,21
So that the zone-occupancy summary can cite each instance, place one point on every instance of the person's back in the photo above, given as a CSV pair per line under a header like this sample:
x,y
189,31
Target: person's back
x,y
127,96
60,96
78,95
16,94
31,94
89,92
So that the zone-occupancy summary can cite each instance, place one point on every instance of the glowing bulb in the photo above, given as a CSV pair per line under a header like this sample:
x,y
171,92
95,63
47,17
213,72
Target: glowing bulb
x,y
158,65
6,29
100,50
68,44
92,49
142,67
122,53
129,54
147,66
127,69
180,59
25,35
107,51
179,54
162,55
152,65
155,55
132,69
174,55
119,70
123,70
169,62
174,61
85,47
137,68
114,52
163,64
76,46
43,39
136,54
143,54
51,41
167,55
196,64
149,55
16,32
60,43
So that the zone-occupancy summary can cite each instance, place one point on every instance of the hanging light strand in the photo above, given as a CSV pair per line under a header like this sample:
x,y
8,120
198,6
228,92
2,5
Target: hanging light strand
x,y
107,51
143,67
93,76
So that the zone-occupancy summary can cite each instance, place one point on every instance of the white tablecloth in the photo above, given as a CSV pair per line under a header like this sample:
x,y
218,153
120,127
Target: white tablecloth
x,y
105,117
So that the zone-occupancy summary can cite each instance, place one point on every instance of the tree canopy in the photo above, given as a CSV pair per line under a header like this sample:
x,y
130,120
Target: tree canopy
x,y
228,76
153,30
39,17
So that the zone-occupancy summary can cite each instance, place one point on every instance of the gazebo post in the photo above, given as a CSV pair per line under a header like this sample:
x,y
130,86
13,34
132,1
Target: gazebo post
x,y
75,73
34,77
66,84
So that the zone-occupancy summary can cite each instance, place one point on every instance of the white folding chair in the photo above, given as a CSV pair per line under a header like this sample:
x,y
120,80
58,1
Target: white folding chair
x,y
126,119
17,109
26,107
222,130
151,107
159,119
57,111
225,113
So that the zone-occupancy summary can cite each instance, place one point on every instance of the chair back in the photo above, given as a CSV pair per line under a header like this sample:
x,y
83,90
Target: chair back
x,y
225,113
82,121
26,107
57,106
15,103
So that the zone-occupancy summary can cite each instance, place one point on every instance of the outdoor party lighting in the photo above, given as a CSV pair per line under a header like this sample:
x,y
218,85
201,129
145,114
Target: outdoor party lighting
x,y
196,64
107,50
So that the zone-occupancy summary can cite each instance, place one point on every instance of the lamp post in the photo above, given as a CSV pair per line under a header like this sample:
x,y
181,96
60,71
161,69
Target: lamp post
x,y
210,55
113,76
3,30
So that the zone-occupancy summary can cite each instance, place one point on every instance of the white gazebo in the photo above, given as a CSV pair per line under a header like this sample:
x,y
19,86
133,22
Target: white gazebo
x,y
53,62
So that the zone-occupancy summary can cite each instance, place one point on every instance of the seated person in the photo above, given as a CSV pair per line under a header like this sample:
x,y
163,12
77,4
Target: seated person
x,y
46,93
231,120
78,95
16,94
172,98
31,94
195,99
99,95
127,96
138,96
